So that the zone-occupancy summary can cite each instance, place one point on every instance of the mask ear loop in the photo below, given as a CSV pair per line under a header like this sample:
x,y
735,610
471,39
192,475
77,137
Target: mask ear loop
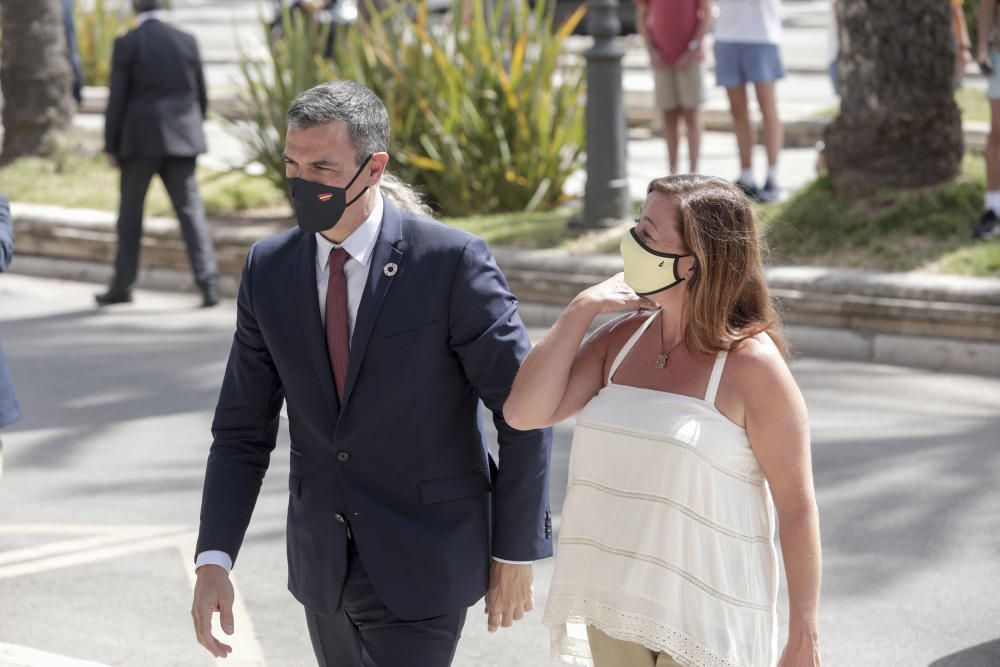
x,y
356,174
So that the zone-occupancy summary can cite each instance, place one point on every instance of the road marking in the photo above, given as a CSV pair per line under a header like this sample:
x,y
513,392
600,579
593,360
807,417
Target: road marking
x,y
97,543
86,556
78,545
22,656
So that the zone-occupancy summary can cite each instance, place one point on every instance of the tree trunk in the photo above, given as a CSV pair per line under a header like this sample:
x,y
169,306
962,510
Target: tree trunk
x,y
36,77
899,126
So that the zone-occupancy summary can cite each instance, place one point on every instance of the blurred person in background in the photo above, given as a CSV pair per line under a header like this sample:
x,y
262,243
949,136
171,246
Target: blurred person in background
x,y
10,412
153,125
674,32
963,44
747,52
988,57
69,26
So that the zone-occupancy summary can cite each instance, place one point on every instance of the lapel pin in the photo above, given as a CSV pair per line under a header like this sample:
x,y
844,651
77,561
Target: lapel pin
x,y
390,269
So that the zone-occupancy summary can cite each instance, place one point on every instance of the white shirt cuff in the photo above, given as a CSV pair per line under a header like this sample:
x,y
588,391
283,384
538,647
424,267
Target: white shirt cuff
x,y
513,562
220,558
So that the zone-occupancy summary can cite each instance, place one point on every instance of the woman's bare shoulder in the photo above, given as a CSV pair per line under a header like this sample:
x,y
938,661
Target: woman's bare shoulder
x,y
756,358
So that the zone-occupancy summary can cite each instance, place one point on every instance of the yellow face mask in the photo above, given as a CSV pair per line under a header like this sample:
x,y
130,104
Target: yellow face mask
x,y
648,271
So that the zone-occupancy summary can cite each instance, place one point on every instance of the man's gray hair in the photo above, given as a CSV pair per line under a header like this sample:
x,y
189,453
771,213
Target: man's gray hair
x,y
355,106
140,6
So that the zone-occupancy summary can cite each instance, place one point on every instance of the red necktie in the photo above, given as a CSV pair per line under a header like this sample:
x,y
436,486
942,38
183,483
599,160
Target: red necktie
x,y
337,341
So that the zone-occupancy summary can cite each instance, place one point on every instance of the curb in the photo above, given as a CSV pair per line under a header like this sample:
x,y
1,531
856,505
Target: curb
x,y
919,319
928,352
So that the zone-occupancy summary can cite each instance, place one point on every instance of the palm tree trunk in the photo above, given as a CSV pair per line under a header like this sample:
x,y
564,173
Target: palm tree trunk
x,y
899,126
36,77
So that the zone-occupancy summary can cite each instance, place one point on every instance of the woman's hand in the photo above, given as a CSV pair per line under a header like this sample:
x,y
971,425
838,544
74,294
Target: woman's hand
x,y
613,296
802,650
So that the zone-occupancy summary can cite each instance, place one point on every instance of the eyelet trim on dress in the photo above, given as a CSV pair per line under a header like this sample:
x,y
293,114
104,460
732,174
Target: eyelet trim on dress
x,y
655,635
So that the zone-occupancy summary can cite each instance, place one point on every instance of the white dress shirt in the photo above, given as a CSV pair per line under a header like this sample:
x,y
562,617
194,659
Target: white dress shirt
x,y
142,17
360,245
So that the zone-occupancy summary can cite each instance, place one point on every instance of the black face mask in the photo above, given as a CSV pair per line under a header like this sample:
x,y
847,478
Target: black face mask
x,y
319,207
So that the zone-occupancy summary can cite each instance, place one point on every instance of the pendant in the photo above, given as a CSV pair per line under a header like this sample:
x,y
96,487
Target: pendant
x,y
661,360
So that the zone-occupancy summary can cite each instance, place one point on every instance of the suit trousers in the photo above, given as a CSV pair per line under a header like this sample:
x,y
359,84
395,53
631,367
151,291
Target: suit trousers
x,y
178,176
363,632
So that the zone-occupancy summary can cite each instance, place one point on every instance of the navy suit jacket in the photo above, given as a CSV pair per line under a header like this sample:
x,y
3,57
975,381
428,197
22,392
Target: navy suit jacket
x,y
157,99
403,457
9,410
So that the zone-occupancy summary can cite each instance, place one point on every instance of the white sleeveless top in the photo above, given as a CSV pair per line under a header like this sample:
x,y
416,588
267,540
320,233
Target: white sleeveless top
x,y
667,534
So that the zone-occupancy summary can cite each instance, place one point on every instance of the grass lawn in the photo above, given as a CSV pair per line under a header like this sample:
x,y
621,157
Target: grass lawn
x,y
83,179
927,230
896,231
973,104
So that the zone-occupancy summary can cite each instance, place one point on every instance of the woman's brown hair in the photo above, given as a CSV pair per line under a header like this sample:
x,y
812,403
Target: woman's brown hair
x,y
730,300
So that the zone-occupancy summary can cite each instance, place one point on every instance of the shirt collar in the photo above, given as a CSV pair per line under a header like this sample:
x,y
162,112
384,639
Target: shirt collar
x,y
142,17
360,245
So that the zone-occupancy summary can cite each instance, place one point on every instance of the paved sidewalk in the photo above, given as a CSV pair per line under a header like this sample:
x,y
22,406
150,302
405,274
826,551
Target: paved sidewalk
x,y
118,407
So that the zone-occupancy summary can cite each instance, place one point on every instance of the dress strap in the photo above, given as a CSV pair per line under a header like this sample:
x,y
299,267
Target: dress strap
x,y
713,382
627,347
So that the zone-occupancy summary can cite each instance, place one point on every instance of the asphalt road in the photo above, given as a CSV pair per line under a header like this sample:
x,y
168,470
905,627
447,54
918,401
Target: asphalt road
x,y
101,490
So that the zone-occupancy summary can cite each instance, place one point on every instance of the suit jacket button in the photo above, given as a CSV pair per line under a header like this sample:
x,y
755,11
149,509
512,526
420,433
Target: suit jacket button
x,y
340,518
343,457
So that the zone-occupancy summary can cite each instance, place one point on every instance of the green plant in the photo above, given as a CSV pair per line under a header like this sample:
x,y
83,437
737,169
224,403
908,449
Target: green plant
x,y
294,65
98,24
894,230
485,117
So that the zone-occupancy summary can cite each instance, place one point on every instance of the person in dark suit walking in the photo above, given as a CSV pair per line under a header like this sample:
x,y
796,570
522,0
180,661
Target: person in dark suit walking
x,y
381,330
10,412
153,125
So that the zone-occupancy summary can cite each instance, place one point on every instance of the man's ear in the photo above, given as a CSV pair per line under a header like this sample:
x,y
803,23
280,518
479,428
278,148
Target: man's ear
x,y
376,166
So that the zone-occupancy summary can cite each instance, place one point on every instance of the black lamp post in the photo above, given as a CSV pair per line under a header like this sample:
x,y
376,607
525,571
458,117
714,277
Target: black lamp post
x,y
606,198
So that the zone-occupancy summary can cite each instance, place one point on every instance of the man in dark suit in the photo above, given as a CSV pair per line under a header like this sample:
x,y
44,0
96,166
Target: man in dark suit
x,y
381,330
153,125
10,412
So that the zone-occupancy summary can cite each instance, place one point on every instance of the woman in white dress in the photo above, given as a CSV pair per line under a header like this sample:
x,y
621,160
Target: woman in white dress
x,y
692,440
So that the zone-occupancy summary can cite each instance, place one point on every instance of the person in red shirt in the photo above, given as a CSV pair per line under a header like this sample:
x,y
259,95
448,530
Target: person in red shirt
x,y
674,31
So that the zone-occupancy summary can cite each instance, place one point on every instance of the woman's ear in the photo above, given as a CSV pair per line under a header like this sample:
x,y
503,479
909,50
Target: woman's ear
x,y
691,267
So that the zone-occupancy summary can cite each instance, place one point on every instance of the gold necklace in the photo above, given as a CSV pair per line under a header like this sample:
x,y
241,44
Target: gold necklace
x,y
663,357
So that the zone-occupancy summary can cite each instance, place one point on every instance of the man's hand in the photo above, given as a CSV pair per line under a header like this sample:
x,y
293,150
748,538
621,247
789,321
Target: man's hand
x,y
112,160
213,592
510,594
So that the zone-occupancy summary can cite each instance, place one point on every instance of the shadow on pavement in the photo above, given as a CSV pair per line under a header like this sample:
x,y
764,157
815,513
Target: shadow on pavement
x,y
977,656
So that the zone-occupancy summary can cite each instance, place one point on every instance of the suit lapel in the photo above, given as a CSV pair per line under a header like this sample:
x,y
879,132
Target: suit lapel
x,y
312,325
387,251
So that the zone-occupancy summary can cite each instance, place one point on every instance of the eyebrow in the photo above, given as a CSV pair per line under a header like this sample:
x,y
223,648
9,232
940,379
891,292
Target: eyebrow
x,y
317,163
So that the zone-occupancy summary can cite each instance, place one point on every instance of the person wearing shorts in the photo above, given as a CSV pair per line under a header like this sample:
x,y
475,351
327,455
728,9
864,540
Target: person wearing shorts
x,y
747,38
988,57
674,31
